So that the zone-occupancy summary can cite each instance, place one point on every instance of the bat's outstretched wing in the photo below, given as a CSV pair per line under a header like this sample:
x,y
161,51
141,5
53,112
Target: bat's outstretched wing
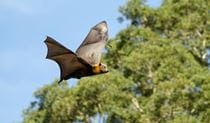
x,y
91,48
70,65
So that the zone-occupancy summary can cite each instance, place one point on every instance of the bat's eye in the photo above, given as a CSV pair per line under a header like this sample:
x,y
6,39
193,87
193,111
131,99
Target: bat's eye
x,y
103,68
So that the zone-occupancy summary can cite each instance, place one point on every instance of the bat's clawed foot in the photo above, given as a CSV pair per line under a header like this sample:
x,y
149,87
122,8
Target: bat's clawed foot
x,y
60,81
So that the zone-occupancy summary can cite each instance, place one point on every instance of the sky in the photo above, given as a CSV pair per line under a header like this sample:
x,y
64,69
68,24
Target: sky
x,y
24,25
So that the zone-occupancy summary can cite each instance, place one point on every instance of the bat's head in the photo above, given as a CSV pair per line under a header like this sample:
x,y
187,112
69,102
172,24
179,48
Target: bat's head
x,y
101,27
99,68
103,68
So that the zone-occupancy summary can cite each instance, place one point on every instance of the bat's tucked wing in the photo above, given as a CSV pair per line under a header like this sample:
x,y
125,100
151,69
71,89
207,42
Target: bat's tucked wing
x,y
97,33
70,65
91,48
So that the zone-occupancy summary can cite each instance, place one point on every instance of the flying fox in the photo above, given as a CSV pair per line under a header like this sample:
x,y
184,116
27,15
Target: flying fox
x,y
86,61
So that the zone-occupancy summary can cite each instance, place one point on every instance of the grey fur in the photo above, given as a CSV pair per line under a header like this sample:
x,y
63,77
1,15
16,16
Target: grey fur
x,y
91,48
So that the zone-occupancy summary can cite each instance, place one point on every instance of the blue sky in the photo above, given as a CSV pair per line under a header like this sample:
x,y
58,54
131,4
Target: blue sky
x,y
24,24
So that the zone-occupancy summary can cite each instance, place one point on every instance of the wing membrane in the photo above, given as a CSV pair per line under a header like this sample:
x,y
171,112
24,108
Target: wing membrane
x,y
91,48
67,60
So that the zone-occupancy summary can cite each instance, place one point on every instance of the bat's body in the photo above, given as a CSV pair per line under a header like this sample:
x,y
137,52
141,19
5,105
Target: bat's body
x,y
87,59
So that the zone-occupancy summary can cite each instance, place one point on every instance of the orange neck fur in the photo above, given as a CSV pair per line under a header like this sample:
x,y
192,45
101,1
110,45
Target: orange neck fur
x,y
96,69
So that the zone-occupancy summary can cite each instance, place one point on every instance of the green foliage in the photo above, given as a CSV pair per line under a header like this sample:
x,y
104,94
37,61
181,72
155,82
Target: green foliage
x,y
159,71
100,94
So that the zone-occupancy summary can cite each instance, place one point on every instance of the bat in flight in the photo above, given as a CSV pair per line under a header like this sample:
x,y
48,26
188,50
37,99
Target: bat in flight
x,y
86,61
